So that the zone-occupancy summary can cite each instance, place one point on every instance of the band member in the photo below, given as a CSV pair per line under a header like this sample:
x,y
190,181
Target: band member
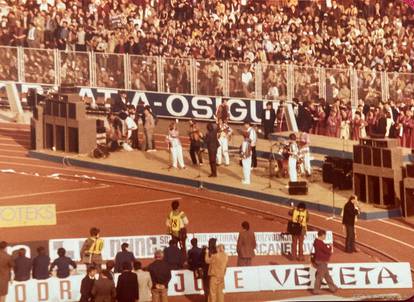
x,y
223,135
293,157
280,118
268,119
196,140
223,112
174,145
304,142
212,146
253,139
246,155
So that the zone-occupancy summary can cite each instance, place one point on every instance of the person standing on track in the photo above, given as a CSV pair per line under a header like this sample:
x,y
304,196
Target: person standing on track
x,y
91,251
300,218
321,258
177,223
6,264
246,244
349,214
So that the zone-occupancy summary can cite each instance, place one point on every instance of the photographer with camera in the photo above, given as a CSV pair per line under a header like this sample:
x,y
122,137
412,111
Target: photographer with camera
x,y
217,260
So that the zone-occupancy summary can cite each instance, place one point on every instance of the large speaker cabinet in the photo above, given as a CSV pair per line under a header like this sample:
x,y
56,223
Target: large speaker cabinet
x,y
62,124
377,171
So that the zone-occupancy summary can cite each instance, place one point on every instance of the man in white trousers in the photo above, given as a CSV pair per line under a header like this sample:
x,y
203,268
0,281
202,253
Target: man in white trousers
x,y
175,147
293,156
224,134
304,140
246,155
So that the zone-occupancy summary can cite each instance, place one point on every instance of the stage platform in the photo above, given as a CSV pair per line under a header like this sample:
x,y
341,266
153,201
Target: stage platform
x,y
155,166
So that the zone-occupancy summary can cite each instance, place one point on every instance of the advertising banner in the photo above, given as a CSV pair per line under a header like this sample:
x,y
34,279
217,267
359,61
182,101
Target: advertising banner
x,y
268,243
27,215
374,275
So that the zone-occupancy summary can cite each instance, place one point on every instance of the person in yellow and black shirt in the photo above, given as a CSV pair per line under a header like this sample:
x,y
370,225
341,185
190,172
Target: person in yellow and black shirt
x,y
300,218
91,251
177,225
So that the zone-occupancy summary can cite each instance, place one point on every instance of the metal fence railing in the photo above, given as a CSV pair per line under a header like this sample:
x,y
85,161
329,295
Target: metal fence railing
x,y
202,77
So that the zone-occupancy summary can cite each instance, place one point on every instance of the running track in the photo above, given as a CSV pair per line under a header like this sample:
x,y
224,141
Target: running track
x,y
129,206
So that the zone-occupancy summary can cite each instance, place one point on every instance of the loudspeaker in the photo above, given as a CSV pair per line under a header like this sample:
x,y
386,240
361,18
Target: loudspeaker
x,y
376,157
342,179
357,154
298,188
386,158
327,172
410,170
366,156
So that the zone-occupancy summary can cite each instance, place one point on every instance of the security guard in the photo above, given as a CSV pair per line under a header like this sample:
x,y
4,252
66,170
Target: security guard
x,y
301,216
91,251
176,223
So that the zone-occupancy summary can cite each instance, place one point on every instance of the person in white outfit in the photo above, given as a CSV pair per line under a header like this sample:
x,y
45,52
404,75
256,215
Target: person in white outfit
x,y
246,155
144,283
175,147
224,135
293,157
253,139
304,140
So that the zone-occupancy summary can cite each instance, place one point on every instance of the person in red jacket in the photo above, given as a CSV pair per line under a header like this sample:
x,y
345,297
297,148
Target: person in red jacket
x,y
322,255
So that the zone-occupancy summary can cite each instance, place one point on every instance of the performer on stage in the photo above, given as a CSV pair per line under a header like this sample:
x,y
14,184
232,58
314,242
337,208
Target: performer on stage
x,y
253,139
196,139
223,135
304,141
174,145
293,156
268,119
246,155
212,146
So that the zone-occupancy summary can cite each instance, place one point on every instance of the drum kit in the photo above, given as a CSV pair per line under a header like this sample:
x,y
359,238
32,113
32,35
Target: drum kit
x,y
279,158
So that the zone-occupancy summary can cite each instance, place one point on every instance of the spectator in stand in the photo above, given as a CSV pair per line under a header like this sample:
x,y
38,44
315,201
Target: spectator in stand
x,y
123,256
268,120
22,266
173,255
160,276
322,255
87,285
6,264
349,215
63,264
246,244
41,264
104,288
144,283
127,286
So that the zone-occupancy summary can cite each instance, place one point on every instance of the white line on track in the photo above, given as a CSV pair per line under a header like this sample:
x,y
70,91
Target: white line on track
x,y
397,225
256,200
126,204
54,192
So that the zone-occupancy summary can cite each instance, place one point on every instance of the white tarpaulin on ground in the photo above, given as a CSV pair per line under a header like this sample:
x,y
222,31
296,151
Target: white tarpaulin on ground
x,y
268,243
238,279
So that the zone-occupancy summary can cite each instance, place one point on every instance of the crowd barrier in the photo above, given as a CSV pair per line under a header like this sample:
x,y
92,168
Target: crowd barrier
x,y
374,275
201,77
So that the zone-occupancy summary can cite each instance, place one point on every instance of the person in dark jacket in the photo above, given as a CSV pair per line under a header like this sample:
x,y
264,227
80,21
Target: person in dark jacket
x,y
104,288
123,256
212,146
63,264
306,119
22,266
350,212
322,255
41,264
173,255
127,286
268,119
194,259
160,275
87,284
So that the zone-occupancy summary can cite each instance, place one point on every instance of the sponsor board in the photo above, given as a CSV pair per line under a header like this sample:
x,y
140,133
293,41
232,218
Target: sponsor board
x,y
374,275
27,215
175,105
268,243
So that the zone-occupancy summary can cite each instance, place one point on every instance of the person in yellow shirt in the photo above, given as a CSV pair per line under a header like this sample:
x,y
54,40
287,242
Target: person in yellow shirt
x,y
216,272
91,251
300,216
177,223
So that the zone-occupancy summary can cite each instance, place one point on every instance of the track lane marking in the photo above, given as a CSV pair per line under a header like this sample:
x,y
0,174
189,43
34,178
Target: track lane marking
x,y
397,225
126,204
54,192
